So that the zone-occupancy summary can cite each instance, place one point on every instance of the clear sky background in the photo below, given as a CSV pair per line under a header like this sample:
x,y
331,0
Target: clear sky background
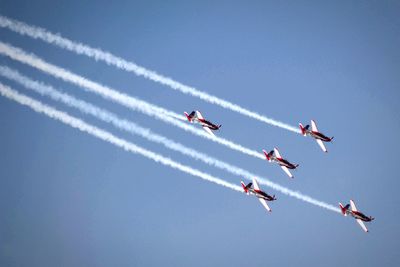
x,y
68,199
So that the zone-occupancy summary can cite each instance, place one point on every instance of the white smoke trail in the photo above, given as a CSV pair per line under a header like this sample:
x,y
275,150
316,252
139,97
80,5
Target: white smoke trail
x,y
149,135
110,59
108,137
123,99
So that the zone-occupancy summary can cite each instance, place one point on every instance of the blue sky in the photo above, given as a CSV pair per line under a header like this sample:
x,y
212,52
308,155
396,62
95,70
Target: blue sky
x,y
68,199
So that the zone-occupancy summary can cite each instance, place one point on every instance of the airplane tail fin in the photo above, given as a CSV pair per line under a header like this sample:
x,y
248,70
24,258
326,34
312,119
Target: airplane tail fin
x,y
268,155
303,129
188,117
343,209
245,188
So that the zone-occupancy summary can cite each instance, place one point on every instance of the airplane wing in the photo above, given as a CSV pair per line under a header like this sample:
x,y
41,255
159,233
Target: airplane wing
x,y
314,126
353,206
199,116
277,154
287,171
264,203
361,223
321,144
208,130
255,184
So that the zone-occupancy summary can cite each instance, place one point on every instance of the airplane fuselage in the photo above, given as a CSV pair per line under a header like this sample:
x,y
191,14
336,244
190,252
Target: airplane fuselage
x,y
287,164
261,194
320,136
359,215
195,116
208,124
283,162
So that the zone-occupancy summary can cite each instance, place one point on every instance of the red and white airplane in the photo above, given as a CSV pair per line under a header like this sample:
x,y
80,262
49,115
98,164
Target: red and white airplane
x,y
261,195
360,217
319,137
275,156
195,116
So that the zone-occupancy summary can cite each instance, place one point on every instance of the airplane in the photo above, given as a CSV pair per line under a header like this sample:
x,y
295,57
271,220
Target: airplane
x,y
360,217
275,156
319,137
195,116
255,190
